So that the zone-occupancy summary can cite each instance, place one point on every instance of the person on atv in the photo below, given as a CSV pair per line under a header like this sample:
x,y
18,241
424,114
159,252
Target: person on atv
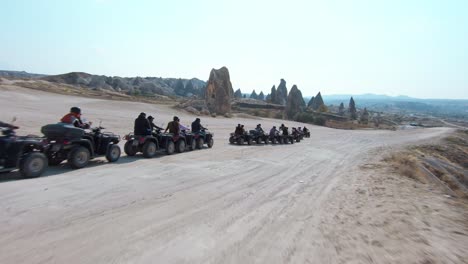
x,y
273,131
284,129
238,130
142,126
196,126
259,129
173,126
74,118
152,125
305,130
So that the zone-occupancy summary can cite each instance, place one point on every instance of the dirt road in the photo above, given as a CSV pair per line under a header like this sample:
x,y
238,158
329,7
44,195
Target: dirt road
x,y
324,200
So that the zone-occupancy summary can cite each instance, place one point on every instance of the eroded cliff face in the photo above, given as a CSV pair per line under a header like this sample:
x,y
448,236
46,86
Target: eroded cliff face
x,y
219,91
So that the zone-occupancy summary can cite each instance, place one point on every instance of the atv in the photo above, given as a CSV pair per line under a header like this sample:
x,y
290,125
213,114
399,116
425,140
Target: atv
x,y
23,153
241,139
148,145
203,137
78,146
276,138
259,137
173,143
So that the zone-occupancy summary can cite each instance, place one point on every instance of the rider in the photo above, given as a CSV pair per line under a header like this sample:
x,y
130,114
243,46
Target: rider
x,y
74,118
284,129
142,126
173,126
273,130
259,129
238,130
196,126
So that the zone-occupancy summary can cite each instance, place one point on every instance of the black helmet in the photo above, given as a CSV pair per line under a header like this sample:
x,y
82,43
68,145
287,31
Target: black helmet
x,y
259,125
274,127
176,118
75,110
198,119
150,117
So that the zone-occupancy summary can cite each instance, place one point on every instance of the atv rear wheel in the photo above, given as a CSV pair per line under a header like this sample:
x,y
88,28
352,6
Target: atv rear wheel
x,y
129,149
249,141
79,157
149,149
113,153
180,147
170,148
259,141
200,143
33,165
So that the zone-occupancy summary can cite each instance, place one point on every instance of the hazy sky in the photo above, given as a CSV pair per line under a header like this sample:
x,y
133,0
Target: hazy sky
x,y
410,47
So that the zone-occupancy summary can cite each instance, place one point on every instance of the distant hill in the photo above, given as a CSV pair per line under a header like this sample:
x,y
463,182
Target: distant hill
x,y
146,86
403,104
20,74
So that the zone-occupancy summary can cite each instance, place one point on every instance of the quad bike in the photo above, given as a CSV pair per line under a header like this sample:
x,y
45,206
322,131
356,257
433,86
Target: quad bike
x,y
173,143
78,146
23,153
259,137
241,139
148,145
203,137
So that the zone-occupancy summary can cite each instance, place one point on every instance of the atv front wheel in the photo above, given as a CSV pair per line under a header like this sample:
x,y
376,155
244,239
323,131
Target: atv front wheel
x,y
193,144
113,153
210,142
33,165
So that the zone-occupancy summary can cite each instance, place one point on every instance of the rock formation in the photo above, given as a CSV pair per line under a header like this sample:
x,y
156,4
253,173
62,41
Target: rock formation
x,y
253,95
281,93
238,93
352,109
219,92
318,102
341,109
311,101
273,95
295,103
261,96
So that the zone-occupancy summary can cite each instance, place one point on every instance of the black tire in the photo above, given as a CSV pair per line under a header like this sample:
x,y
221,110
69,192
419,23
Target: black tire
x,y
193,144
180,147
79,157
149,149
232,140
33,165
298,140
210,142
273,141
240,141
200,143
113,153
170,148
291,140
249,141
129,149
259,141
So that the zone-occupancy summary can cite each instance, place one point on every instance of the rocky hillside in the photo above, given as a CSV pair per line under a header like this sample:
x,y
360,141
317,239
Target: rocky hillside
x,y
20,75
133,85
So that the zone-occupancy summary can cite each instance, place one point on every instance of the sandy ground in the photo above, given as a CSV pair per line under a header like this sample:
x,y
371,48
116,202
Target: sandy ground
x,y
328,199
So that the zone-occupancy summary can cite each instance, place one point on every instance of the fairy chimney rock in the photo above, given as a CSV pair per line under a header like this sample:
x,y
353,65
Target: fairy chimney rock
x,y
219,92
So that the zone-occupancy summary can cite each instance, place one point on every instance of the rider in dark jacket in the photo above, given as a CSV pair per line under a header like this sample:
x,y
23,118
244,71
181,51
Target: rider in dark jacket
x,y
142,126
196,126
284,129
259,129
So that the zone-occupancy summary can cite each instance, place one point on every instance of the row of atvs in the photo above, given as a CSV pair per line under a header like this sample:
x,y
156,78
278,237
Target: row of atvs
x,y
258,137
32,154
